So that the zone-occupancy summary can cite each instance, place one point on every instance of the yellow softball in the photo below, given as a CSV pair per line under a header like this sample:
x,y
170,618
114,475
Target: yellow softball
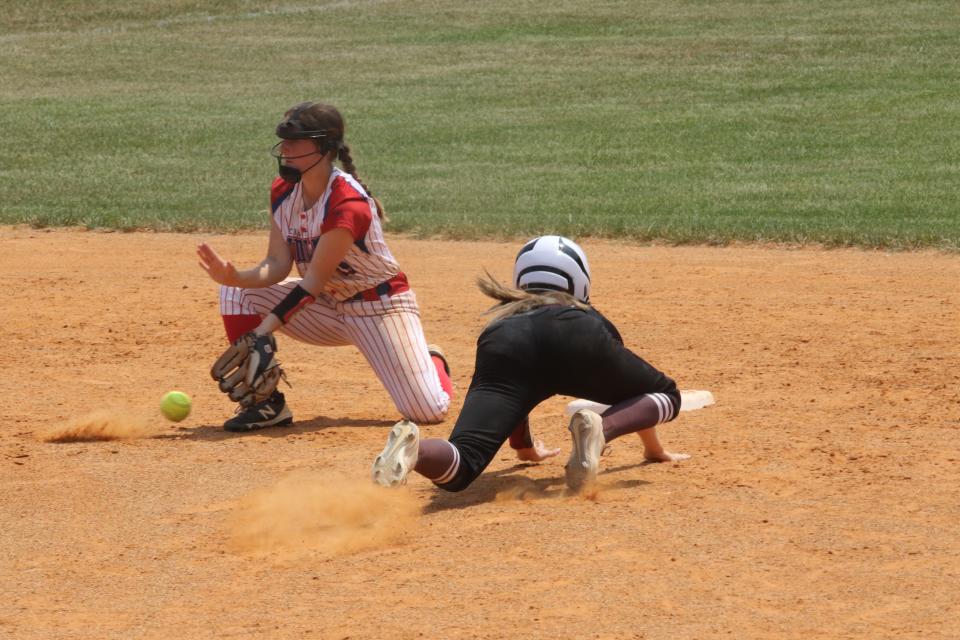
x,y
175,405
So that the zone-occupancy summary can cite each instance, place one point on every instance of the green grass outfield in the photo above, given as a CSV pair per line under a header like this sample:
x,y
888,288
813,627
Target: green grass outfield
x,y
833,121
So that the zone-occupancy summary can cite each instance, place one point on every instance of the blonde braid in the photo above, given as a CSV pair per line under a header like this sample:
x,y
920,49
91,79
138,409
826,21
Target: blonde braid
x,y
343,154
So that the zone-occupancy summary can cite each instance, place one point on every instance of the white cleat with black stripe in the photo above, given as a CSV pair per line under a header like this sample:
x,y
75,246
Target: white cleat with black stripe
x,y
398,458
586,428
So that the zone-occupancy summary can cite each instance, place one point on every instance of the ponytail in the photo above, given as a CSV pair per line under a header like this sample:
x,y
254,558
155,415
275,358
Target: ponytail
x,y
343,153
513,301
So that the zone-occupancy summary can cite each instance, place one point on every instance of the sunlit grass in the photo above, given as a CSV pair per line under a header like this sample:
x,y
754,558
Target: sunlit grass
x,y
827,122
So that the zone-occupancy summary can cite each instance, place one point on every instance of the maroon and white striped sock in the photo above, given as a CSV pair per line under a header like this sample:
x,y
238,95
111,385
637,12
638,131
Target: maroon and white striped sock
x,y
437,460
638,413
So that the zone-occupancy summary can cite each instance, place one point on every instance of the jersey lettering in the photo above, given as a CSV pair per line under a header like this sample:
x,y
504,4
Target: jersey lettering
x,y
344,204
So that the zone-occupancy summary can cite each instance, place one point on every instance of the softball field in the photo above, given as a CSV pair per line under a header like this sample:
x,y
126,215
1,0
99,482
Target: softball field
x,y
821,501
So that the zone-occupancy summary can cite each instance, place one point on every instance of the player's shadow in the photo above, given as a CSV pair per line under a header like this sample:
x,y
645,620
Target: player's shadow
x,y
506,485
216,432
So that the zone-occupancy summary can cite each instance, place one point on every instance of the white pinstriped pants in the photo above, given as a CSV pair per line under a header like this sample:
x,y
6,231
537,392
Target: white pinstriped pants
x,y
387,332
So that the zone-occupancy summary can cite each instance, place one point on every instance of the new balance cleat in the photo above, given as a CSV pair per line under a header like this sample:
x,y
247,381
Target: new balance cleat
x,y
272,412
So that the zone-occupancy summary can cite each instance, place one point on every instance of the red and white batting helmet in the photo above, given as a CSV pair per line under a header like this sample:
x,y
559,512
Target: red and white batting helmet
x,y
555,263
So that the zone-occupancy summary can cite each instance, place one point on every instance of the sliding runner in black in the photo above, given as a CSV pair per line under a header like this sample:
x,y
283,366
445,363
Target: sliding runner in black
x,y
544,339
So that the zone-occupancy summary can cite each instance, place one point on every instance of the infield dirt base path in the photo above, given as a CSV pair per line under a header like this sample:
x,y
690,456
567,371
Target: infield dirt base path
x,y
822,499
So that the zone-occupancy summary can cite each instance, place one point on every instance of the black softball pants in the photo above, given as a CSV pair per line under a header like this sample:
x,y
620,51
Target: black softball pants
x,y
525,359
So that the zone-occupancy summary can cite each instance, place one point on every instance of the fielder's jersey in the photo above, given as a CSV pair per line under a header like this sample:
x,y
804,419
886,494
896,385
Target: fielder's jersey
x,y
368,269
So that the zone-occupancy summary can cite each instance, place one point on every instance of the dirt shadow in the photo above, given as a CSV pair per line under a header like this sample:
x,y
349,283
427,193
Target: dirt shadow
x,y
508,485
215,432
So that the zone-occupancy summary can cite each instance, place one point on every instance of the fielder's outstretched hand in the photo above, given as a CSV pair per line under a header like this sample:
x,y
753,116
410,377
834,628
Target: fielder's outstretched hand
x,y
537,453
220,270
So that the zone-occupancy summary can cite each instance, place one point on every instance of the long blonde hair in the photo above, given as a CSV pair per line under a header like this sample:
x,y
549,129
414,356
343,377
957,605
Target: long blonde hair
x,y
512,301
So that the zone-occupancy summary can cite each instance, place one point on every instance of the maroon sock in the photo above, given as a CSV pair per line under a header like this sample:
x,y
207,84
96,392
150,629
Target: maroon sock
x,y
237,325
520,437
630,416
437,460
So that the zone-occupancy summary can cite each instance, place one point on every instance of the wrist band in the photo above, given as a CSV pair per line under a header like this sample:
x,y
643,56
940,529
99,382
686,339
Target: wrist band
x,y
292,304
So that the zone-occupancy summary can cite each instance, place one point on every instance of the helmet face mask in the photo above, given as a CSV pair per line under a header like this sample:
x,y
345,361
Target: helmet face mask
x,y
553,263
290,128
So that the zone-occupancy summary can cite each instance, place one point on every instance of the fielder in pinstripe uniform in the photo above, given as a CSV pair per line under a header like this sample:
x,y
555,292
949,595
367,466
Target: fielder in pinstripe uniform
x,y
545,339
350,289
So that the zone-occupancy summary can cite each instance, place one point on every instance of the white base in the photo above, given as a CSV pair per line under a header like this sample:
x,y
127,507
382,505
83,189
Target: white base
x,y
689,401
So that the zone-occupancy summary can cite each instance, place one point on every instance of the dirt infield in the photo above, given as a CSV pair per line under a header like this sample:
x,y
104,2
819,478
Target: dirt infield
x,y
822,499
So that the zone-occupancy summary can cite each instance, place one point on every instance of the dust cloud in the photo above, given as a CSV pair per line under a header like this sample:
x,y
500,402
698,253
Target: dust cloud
x,y
322,513
104,424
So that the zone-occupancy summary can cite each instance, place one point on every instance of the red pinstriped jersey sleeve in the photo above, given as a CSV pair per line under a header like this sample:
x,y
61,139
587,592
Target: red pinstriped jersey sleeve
x,y
279,190
347,209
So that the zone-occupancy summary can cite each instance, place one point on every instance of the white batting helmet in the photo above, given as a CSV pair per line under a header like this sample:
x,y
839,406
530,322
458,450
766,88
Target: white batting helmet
x,y
553,262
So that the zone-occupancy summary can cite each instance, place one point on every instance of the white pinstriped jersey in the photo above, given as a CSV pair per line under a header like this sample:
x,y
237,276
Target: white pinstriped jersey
x,y
367,302
344,204
386,330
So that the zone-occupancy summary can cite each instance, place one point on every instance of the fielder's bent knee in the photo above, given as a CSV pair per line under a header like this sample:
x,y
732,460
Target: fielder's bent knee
x,y
429,414
421,416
